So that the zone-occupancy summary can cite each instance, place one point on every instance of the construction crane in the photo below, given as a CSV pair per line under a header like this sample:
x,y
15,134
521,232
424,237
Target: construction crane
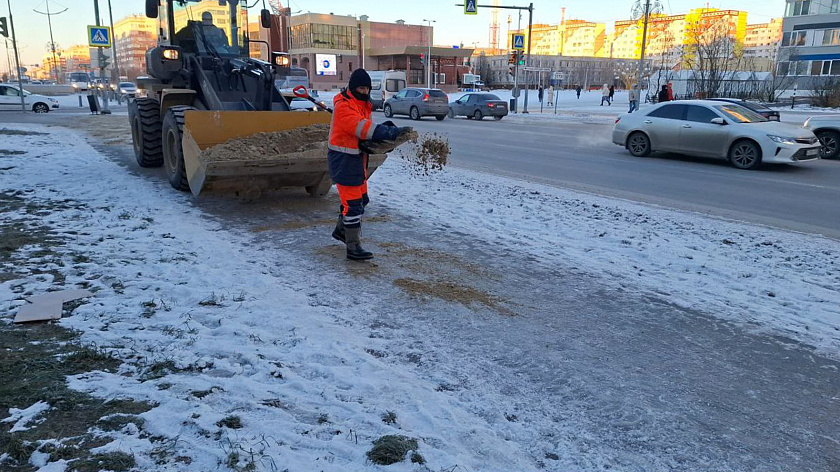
x,y
276,6
494,27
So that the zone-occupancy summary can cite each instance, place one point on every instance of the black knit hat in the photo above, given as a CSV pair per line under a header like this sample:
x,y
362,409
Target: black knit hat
x,y
359,78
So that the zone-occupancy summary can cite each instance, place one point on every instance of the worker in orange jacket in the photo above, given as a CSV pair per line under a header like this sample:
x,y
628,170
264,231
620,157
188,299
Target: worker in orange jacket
x,y
352,124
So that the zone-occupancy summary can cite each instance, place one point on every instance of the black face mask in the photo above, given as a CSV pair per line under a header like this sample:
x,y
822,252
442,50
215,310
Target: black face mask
x,y
360,96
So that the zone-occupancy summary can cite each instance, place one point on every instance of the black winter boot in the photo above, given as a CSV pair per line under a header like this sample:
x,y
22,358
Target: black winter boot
x,y
338,232
355,252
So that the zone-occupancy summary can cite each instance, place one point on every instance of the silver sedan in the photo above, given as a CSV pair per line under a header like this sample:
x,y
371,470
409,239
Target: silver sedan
x,y
715,129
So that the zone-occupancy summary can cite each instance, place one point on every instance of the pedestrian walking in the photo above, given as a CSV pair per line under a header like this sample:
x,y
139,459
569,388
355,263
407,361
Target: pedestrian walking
x,y
634,98
612,94
605,95
351,124
540,94
663,95
577,89
670,92
550,95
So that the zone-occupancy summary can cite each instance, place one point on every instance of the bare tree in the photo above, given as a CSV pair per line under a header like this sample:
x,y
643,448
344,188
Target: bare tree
x,y
712,54
781,81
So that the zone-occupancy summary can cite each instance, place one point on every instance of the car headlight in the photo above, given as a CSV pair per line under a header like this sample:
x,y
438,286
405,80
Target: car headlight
x,y
52,100
781,139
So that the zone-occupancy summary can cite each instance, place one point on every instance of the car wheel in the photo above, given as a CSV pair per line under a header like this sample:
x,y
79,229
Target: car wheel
x,y
829,144
440,117
497,118
451,113
41,108
745,155
387,111
639,144
414,113
478,115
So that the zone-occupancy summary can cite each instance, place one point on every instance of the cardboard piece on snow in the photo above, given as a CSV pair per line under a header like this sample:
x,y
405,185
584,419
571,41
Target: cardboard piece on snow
x,y
48,306
42,311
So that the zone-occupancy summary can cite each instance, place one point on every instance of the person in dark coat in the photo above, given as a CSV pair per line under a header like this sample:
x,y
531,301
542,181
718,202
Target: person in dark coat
x,y
663,94
578,89
540,95
612,93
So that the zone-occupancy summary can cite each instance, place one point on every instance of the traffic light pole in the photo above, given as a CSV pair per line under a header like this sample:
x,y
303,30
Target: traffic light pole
x,y
530,9
17,57
101,55
644,43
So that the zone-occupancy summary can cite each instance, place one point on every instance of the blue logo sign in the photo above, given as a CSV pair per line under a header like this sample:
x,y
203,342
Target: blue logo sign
x,y
519,41
326,63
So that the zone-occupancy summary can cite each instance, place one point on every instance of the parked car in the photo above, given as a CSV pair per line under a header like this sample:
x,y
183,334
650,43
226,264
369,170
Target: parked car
x,y
827,129
478,105
417,103
769,113
127,88
10,100
714,129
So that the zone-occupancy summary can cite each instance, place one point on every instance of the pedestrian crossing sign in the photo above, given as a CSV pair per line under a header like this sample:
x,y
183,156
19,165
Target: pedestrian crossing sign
x,y
519,42
470,7
99,36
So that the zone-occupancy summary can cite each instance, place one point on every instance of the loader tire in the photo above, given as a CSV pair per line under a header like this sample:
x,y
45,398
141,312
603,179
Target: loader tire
x,y
173,153
144,114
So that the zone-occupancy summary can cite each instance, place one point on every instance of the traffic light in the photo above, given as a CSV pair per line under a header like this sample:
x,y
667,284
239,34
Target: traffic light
x,y
422,58
4,28
104,62
521,60
512,58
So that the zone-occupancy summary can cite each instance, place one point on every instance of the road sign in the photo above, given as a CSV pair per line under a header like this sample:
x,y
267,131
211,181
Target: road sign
x,y
99,36
471,7
4,28
519,42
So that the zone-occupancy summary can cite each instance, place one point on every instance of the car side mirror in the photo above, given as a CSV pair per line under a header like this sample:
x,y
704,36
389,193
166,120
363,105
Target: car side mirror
x,y
718,121
152,8
265,18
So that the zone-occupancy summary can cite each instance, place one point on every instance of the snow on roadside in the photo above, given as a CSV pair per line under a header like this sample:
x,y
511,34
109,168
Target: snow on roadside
x,y
208,333
769,280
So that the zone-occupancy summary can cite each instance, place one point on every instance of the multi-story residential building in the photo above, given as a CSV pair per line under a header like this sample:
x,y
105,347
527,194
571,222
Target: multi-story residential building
x,y
623,43
810,47
565,71
133,36
569,38
762,44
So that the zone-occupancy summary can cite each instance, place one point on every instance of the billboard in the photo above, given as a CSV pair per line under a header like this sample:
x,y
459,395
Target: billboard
x,y
325,64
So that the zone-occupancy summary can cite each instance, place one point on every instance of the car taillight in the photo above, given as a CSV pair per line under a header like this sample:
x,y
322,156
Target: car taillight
x,y
617,120
426,97
491,105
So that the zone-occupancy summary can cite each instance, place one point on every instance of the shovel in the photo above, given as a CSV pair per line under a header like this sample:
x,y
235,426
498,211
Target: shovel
x,y
301,92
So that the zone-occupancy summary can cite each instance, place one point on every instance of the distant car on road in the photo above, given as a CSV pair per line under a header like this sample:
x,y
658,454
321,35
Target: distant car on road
x,y
769,113
127,88
80,81
827,129
714,129
417,103
10,100
478,105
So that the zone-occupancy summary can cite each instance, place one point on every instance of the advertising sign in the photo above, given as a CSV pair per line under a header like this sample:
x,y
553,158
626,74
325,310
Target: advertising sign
x,y
325,64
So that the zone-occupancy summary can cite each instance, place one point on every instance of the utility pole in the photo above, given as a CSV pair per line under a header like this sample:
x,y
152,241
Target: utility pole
x,y
114,42
528,55
101,56
429,56
8,56
17,56
644,43
56,65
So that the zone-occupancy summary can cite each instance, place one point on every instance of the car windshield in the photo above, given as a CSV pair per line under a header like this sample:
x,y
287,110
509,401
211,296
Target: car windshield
x,y
740,114
490,96
126,84
437,93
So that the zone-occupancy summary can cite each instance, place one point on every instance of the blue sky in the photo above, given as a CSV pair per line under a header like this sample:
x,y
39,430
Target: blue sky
x,y
451,27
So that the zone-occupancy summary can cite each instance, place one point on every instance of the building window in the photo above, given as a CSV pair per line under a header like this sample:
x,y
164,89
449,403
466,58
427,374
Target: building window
x,y
794,38
831,37
312,35
799,7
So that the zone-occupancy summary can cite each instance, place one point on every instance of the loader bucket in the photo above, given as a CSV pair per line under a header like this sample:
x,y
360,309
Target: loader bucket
x,y
250,176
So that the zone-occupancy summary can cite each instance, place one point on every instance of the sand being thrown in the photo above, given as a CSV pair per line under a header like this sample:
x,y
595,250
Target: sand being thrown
x,y
426,153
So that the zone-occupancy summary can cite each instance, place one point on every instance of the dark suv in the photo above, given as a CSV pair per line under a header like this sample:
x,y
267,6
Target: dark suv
x,y
417,103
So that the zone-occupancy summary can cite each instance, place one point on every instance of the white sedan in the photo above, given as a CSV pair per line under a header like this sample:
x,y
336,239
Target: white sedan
x,y
715,129
10,100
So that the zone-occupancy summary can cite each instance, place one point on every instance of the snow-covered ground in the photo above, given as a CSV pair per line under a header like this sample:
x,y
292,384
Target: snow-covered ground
x,y
234,318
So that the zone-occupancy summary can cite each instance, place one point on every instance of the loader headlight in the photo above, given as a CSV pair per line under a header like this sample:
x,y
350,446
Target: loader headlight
x,y
171,54
281,61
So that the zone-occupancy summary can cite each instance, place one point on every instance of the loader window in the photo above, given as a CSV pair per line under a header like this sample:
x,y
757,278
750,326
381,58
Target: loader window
x,y
394,85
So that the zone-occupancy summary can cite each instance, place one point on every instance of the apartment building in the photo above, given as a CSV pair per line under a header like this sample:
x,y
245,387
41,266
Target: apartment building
x,y
133,36
810,48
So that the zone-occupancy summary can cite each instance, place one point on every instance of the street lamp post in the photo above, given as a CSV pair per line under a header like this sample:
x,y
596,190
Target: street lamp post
x,y
52,42
429,56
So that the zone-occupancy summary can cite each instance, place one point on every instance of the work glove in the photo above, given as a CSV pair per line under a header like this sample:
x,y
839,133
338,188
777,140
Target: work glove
x,y
389,123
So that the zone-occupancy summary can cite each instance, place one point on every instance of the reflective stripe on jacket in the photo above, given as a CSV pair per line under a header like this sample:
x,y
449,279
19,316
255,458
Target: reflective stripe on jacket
x,y
351,123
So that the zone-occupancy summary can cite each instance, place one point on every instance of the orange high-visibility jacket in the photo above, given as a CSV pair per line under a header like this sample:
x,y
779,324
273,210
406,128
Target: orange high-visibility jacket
x,y
351,123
